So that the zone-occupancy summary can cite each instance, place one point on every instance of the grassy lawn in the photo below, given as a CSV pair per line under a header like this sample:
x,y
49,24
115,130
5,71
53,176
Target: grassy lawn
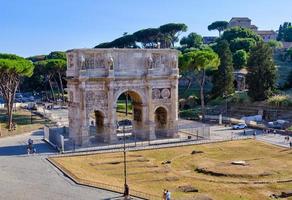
x,y
22,118
220,179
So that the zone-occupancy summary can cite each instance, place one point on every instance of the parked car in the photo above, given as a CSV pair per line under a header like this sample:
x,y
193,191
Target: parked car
x,y
278,124
239,126
124,125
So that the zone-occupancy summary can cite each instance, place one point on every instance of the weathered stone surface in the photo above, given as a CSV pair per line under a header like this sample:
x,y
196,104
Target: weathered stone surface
x,y
96,79
187,188
239,162
166,162
196,152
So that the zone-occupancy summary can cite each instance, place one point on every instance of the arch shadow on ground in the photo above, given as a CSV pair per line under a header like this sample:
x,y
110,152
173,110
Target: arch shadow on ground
x,y
16,150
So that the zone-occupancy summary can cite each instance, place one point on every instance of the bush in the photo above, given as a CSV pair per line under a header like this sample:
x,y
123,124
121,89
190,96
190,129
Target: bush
x,y
189,114
241,97
217,101
280,100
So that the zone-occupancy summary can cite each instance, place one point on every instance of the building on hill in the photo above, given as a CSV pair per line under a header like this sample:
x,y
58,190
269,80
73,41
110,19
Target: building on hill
x,y
240,79
209,39
245,22
268,35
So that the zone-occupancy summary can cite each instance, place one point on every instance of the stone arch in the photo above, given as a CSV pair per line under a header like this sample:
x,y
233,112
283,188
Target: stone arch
x,y
136,94
97,77
138,111
97,124
161,115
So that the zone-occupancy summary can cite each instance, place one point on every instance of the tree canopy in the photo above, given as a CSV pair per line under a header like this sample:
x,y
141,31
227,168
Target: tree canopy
x,y
165,35
284,32
240,59
219,26
239,32
245,44
193,40
15,64
261,75
200,61
12,68
223,77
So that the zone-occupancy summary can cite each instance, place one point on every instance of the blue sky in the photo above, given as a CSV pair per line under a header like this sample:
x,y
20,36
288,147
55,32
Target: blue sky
x,y
33,27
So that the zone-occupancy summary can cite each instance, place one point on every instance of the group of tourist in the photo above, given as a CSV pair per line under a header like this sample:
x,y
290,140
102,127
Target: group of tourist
x,y
166,195
289,140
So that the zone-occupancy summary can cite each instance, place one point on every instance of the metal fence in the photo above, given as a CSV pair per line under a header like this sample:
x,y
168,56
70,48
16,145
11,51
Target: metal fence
x,y
184,132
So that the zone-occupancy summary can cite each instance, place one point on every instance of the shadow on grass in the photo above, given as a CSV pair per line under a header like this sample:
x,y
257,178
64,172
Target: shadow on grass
x,y
23,120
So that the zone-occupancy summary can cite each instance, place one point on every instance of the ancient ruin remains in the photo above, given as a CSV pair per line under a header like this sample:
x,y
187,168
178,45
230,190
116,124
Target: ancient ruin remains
x,y
96,79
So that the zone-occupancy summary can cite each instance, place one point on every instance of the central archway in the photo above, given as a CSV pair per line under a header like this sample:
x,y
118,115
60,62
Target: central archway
x,y
129,105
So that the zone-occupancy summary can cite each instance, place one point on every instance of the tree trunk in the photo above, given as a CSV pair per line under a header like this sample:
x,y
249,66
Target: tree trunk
x,y
8,85
58,88
61,84
202,84
10,113
52,91
126,104
189,85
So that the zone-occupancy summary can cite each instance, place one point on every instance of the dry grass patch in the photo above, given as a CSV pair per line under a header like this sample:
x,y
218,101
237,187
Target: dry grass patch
x,y
22,118
146,173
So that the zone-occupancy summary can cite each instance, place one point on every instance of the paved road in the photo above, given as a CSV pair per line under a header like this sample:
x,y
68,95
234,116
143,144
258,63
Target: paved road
x,y
31,177
221,132
24,177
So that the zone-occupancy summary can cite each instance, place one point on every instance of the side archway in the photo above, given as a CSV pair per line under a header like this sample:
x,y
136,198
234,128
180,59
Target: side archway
x,y
161,121
96,127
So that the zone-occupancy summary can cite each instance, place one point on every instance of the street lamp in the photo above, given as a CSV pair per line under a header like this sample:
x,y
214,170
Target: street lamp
x,y
126,187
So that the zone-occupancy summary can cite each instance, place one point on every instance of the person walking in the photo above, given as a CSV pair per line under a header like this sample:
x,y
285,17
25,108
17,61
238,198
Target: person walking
x,y
254,134
168,195
126,192
164,195
29,146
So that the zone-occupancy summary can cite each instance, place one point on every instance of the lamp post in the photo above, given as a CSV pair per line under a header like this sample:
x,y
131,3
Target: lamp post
x,y
126,187
125,162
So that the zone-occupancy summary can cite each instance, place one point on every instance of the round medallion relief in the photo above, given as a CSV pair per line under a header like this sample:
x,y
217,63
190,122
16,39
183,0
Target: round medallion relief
x,y
165,93
156,93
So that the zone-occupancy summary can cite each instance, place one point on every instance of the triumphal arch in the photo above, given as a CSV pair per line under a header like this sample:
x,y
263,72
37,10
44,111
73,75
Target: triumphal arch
x,y
96,79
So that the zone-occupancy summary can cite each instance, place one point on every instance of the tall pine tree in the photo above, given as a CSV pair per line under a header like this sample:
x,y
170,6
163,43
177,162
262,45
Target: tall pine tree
x,y
261,77
223,77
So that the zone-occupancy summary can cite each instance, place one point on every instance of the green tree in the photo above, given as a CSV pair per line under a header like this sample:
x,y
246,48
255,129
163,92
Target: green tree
x,y
289,80
288,34
274,44
288,54
282,30
219,26
58,67
200,61
147,37
242,43
223,77
239,32
239,59
57,55
12,68
193,40
170,33
261,75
